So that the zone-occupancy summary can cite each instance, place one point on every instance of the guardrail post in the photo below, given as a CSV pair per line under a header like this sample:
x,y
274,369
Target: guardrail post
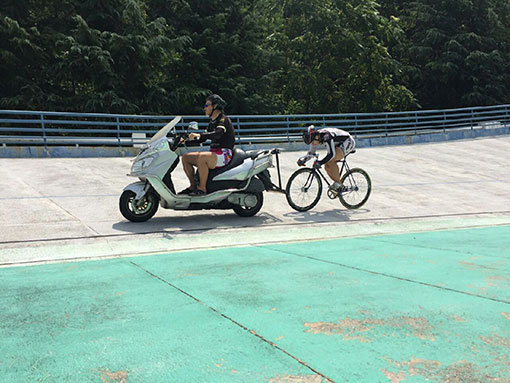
x,y
118,130
355,126
472,117
444,122
415,123
43,131
238,130
288,129
386,126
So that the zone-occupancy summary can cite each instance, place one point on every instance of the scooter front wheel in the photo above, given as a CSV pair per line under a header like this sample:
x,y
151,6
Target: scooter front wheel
x,y
138,210
245,211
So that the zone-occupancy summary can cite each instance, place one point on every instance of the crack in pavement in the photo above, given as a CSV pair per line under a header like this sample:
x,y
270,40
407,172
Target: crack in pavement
x,y
233,321
392,276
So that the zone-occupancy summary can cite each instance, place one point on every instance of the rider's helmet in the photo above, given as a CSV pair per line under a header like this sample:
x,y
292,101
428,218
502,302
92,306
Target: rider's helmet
x,y
216,100
309,134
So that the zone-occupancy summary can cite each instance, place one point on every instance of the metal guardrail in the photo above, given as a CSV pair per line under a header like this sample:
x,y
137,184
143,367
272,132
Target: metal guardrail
x,y
27,128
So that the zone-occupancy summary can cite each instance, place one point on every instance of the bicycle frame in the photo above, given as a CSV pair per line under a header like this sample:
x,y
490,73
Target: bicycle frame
x,y
318,171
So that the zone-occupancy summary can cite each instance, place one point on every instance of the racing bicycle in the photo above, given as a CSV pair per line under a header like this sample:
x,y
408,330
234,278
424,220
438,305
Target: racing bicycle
x,y
304,187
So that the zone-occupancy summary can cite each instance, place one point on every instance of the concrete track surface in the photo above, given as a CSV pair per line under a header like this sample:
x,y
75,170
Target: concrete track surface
x,y
412,287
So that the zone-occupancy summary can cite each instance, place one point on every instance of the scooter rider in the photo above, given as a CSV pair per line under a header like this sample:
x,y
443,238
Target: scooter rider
x,y
338,142
221,133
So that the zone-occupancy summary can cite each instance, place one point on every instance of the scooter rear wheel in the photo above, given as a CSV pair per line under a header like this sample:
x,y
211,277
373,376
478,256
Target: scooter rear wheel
x,y
243,211
141,210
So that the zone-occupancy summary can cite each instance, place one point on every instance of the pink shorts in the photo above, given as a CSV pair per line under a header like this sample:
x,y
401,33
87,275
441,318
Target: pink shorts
x,y
223,156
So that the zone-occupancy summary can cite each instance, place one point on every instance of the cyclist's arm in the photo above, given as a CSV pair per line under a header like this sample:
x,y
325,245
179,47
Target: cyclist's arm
x,y
311,154
311,150
330,145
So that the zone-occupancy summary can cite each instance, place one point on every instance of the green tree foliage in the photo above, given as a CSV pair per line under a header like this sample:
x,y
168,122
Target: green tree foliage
x,y
262,56
456,52
133,56
336,58
73,66
224,55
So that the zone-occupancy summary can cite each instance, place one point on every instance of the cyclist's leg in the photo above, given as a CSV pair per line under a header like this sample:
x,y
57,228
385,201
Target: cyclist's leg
x,y
332,166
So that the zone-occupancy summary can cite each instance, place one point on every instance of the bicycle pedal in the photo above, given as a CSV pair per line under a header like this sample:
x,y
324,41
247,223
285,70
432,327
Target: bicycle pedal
x,y
332,194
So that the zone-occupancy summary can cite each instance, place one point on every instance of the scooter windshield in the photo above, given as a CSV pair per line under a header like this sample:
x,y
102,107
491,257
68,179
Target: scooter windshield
x,y
164,130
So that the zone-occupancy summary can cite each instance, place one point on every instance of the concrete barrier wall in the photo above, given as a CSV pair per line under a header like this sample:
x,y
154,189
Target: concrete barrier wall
x,y
361,142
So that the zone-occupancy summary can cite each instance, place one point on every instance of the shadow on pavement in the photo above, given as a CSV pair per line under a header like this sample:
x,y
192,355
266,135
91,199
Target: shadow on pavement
x,y
335,215
196,222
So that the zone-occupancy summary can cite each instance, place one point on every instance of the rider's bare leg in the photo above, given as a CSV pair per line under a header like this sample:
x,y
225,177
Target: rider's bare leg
x,y
332,167
206,161
188,161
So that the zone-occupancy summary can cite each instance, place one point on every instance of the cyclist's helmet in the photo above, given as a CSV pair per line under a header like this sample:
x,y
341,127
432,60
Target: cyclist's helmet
x,y
309,134
216,100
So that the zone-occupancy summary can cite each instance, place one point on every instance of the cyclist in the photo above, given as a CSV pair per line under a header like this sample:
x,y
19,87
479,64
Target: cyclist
x,y
338,142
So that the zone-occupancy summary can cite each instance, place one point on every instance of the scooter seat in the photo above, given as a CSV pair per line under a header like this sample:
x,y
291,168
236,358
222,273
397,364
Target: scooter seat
x,y
254,153
238,156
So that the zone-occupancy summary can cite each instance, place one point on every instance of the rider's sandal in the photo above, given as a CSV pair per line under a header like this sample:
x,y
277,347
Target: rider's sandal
x,y
186,191
198,192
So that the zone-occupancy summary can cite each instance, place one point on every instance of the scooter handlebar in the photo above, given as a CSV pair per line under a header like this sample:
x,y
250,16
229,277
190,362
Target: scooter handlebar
x,y
177,141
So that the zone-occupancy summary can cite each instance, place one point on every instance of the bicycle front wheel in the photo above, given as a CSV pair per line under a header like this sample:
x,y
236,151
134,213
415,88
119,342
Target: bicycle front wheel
x,y
303,189
356,188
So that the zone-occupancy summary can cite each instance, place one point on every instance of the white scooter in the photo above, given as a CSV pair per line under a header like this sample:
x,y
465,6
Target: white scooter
x,y
239,185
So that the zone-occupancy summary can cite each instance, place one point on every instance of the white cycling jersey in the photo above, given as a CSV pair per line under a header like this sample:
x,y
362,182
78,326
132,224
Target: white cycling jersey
x,y
332,138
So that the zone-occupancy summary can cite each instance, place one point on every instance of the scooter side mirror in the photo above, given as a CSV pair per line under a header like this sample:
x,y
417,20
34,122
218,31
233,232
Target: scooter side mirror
x,y
193,125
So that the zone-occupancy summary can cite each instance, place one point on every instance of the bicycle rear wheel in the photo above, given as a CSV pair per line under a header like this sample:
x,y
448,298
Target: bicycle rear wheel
x,y
356,188
303,189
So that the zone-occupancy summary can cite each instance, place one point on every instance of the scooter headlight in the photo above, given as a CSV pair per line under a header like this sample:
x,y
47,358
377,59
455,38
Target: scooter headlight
x,y
141,164
162,145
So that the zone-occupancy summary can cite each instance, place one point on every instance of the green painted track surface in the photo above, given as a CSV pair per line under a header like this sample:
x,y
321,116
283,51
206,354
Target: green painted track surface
x,y
423,307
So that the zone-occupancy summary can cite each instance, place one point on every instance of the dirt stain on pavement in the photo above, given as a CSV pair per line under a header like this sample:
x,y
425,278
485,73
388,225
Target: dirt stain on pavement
x,y
359,329
458,372
113,377
186,274
394,377
496,340
296,379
